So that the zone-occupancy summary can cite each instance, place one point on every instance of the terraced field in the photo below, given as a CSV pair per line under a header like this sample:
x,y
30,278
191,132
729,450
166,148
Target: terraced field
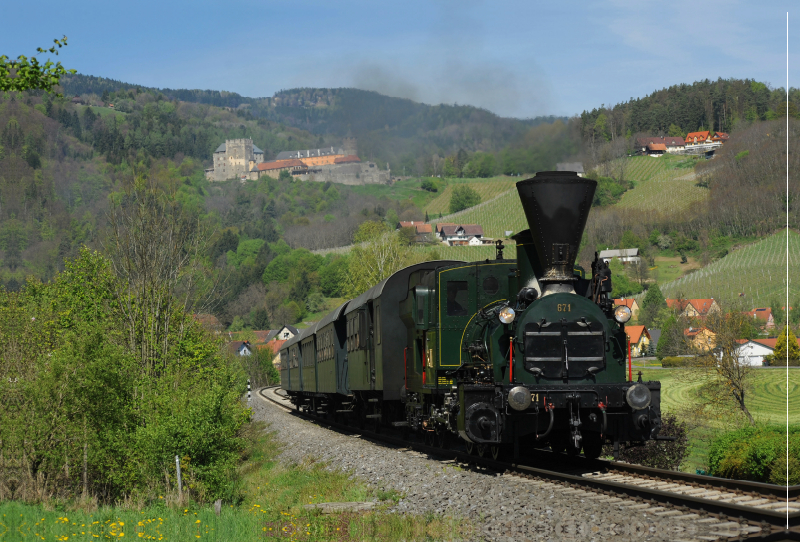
x,y
758,271
664,192
486,188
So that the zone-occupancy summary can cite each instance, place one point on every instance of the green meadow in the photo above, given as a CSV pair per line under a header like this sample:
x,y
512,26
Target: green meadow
x,y
272,506
767,401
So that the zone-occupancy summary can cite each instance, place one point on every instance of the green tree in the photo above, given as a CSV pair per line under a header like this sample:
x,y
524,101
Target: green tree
x,y
285,176
369,231
28,74
785,348
652,304
675,131
463,197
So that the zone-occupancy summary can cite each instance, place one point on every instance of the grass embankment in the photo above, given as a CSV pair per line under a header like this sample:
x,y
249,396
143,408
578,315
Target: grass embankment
x,y
757,270
766,402
407,189
272,507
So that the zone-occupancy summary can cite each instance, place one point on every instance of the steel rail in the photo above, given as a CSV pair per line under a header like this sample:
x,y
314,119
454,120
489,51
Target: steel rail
x,y
777,520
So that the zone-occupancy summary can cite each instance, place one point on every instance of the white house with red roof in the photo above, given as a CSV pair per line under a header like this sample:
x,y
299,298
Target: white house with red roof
x,y
639,338
697,138
459,234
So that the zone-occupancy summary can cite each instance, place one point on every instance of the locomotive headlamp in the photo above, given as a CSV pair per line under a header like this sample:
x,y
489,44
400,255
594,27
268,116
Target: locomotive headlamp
x,y
622,314
638,396
506,315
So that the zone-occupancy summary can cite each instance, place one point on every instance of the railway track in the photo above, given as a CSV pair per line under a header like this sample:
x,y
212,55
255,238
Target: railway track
x,y
731,508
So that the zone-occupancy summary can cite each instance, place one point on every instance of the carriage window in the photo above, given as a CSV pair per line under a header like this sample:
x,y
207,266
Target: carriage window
x,y
457,298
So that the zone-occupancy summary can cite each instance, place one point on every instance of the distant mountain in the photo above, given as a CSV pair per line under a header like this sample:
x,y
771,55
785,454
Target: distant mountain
x,y
387,129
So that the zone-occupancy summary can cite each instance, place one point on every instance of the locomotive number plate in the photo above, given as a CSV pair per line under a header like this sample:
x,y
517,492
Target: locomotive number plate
x,y
564,307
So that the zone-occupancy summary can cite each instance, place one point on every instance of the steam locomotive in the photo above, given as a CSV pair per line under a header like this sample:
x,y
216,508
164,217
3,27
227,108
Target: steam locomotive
x,y
500,355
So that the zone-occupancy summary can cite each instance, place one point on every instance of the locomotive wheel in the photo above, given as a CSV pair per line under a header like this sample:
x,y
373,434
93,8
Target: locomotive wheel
x,y
497,451
482,449
470,446
592,444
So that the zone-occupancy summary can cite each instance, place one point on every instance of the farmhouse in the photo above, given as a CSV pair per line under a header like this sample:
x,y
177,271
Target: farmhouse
x,y
671,144
460,234
240,348
752,352
697,138
639,338
625,255
656,149
577,167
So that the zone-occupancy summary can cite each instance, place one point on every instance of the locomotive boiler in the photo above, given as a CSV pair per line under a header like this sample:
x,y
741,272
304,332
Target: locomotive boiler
x,y
499,356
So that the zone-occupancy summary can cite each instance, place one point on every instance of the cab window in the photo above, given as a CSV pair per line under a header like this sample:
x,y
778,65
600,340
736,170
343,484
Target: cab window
x,y
457,298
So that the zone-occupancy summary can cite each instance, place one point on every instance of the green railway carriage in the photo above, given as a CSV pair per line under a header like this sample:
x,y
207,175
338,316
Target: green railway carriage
x,y
332,352
497,354
377,336
291,352
308,360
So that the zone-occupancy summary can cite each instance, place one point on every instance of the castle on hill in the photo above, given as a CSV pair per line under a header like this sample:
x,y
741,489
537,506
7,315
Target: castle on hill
x,y
240,159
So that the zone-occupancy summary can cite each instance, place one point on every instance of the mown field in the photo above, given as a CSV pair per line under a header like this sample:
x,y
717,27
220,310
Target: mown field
x,y
767,404
757,270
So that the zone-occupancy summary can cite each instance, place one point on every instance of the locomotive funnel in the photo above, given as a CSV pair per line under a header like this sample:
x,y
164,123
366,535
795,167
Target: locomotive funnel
x,y
556,204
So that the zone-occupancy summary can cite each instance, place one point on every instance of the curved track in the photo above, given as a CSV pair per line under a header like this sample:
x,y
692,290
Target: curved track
x,y
744,508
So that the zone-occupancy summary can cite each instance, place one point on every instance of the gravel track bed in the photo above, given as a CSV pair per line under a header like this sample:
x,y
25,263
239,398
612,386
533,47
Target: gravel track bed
x,y
504,507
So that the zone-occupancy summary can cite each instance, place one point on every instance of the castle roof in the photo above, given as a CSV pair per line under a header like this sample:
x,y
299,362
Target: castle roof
x,y
221,148
309,153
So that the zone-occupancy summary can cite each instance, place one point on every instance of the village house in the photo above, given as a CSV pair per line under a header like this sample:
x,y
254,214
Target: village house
x,y
283,334
671,144
764,347
631,304
693,308
701,339
720,137
698,138
423,233
656,149
639,339
763,316
240,348
461,234
752,352
625,255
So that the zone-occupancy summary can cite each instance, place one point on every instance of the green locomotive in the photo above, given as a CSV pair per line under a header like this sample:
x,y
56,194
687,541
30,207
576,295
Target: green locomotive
x,y
498,354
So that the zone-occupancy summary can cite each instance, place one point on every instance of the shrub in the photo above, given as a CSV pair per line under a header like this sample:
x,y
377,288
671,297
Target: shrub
x,y
757,454
659,454
674,361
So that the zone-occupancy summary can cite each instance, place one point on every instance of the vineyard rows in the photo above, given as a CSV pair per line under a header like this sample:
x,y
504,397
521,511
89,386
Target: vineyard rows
x,y
664,192
487,189
498,215
758,271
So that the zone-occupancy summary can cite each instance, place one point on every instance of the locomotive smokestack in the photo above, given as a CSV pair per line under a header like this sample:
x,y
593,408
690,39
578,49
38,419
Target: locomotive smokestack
x,y
556,204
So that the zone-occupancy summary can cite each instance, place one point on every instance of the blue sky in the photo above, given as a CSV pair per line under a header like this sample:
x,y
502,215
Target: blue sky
x,y
518,59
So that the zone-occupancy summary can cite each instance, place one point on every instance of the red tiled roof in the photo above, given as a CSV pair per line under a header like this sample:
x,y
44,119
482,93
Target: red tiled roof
x,y
279,164
346,159
424,228
762,313
627,302
274,346
441,225
657,147
701,136
700,305
692,332
635,333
